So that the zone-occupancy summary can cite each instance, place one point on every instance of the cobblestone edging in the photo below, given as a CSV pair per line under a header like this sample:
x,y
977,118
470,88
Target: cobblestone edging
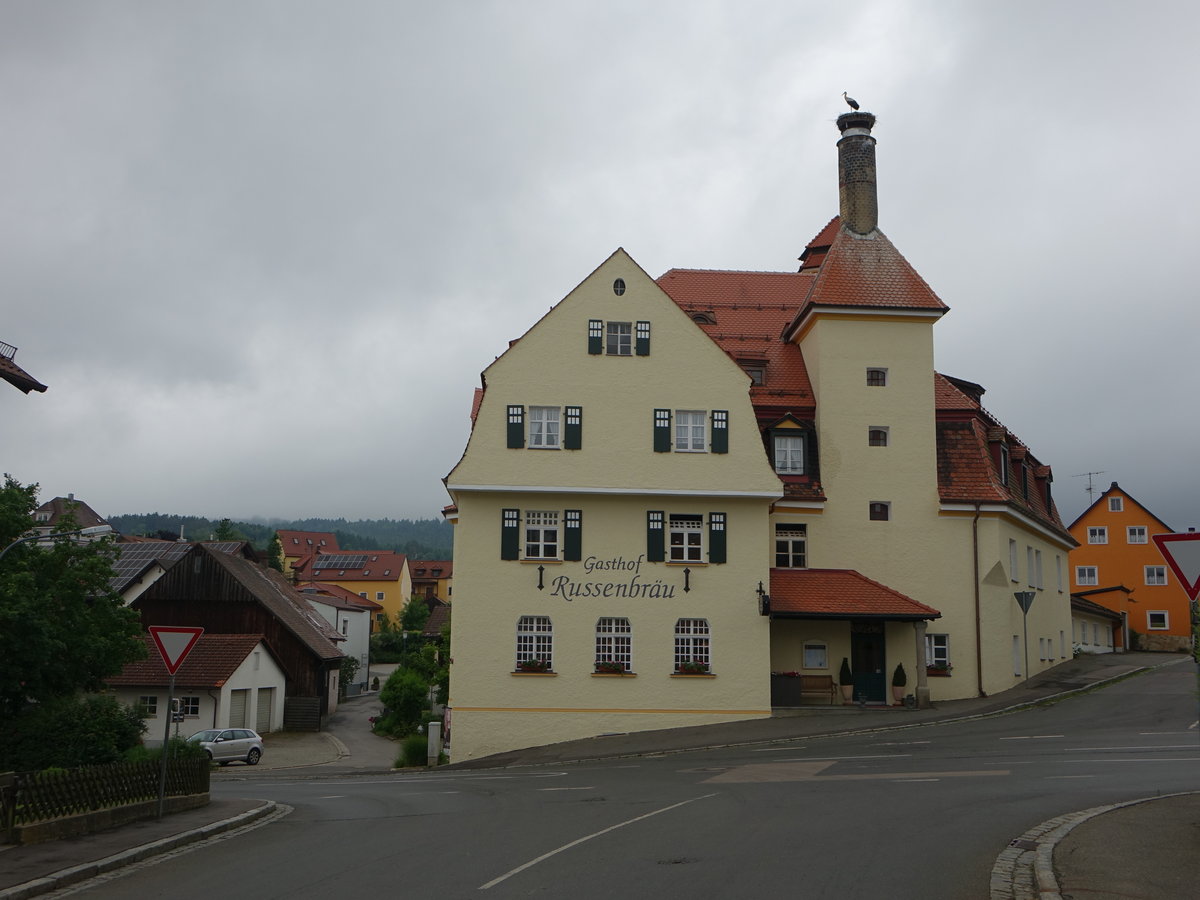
x,y
268,811
1025,869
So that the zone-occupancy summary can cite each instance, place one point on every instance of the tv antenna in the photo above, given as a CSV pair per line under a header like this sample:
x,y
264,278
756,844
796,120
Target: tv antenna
x,y
1090,487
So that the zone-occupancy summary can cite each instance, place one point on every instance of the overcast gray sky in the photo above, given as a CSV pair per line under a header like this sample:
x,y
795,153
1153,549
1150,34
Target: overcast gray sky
x,y
260,251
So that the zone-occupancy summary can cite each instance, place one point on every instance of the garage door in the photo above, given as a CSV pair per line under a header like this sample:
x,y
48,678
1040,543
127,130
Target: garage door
x,y
266,700
237,708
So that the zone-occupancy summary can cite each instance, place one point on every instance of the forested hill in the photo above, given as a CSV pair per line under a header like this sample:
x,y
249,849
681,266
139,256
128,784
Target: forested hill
x,y
417,538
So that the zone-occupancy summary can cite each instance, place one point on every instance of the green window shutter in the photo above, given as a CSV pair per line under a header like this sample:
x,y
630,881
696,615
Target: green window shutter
x,y
516,426
662,431
716,537
641,344
720,431
510,533
595,336
656,544
573,535
573,432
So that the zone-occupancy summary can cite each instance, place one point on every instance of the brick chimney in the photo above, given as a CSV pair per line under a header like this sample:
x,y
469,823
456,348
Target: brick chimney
x,y
856,172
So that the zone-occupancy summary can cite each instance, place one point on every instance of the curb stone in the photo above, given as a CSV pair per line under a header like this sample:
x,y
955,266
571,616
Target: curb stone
x,y
75,874
1025,869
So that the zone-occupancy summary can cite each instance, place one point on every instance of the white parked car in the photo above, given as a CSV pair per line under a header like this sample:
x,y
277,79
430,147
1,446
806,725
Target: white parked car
x,y
226,745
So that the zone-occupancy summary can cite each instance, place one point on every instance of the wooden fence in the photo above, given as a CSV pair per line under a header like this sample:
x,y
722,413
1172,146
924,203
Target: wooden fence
x,y
55,794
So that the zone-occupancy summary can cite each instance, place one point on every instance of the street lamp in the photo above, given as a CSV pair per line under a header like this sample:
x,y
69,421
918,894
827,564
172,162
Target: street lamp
x,y
90,531
1025,598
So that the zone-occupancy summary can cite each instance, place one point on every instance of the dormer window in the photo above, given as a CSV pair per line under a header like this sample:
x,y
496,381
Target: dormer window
x,y
1004,463
877,377
789,453
1025,481
755,368
703,319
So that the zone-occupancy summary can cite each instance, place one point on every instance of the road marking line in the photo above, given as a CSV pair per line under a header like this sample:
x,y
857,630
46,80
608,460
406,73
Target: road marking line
x,y
915,780
577,841
840,758
1124,749
775,749
1032,737
1052,777
568,789
1135,759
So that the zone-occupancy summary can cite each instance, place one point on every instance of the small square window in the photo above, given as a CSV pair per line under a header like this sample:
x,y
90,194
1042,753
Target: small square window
x,y
149,704
876,377
880,512
619,339
1135,534
1157,620
1116,504
877,437
1156,574
1098,534
816,655
1086,575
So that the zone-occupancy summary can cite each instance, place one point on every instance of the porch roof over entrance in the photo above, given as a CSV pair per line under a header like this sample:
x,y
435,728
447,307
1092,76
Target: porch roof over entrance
x,y
840,594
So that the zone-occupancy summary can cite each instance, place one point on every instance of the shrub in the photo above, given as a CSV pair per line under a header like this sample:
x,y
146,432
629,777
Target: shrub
x,y
69,732
414,750
404,695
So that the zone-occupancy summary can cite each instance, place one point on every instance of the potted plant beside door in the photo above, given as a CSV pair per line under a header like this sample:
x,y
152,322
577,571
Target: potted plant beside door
x,y
846,680
899,680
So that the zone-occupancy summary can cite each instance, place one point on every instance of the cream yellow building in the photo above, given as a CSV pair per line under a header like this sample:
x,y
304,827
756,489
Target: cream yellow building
x,y
680,496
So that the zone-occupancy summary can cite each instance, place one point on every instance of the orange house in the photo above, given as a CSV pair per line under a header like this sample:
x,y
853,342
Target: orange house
x,y
1118,565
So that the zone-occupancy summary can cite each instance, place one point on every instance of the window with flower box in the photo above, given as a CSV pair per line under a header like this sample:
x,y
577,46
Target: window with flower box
x,y
937,652
692,647
614,645
535,644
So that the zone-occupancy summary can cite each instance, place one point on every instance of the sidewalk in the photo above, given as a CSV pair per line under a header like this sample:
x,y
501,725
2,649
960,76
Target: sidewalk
x,y
1077,845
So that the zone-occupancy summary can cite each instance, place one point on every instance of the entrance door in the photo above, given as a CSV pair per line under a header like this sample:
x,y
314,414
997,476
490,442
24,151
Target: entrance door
x,y
867,661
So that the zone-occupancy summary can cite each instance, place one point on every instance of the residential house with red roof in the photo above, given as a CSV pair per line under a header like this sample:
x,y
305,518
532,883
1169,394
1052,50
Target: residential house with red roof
x,y
350,615
676,488
381,576
297,545
432,578
225,593
226,681
1118,565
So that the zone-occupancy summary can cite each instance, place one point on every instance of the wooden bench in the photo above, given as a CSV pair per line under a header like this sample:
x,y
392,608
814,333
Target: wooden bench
x,y
822,685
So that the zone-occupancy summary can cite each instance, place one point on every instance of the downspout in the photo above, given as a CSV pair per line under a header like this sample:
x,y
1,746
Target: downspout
x,y
216,705
978,610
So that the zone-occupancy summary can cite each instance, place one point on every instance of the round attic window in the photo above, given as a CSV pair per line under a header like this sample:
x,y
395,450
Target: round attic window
x,y
619,286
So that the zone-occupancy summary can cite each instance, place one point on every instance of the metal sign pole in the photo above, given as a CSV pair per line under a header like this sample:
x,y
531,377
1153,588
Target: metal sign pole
x,y
162,765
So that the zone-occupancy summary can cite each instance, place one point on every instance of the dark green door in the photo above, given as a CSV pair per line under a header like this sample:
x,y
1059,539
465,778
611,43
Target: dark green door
x,y
867,661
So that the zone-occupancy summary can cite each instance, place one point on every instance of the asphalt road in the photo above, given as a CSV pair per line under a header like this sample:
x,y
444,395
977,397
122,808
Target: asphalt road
x,y
919,812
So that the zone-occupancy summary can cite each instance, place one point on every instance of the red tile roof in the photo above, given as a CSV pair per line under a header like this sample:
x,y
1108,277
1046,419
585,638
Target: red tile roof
x,y
839,594
374,565
209,664
300,543
445,568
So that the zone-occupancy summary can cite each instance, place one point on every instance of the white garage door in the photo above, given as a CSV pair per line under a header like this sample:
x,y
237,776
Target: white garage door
x,y
237,708
266,700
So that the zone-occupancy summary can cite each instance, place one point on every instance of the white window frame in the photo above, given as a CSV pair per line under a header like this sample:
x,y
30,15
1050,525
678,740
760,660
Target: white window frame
x,y
542,534
693,642
618,338
190,707
685,538
1135,534
691,431
1155,575
535,640
1097,534
614,641
815,655
545,428
792,535
149,703
1116,504
937,650
379,596
1166,620
789,454
1087,576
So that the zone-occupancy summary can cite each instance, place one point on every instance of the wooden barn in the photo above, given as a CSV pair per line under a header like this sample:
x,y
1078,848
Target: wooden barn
x,y
227,594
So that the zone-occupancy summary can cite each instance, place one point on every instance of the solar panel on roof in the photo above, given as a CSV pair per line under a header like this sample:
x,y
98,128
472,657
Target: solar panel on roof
x,y
340,560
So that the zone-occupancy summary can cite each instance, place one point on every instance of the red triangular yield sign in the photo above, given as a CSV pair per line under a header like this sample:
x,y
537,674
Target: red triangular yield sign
x,y
174,643
1182,552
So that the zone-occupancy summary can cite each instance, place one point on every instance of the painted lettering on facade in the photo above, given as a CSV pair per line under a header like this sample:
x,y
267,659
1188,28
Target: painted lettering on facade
x,y
568,588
